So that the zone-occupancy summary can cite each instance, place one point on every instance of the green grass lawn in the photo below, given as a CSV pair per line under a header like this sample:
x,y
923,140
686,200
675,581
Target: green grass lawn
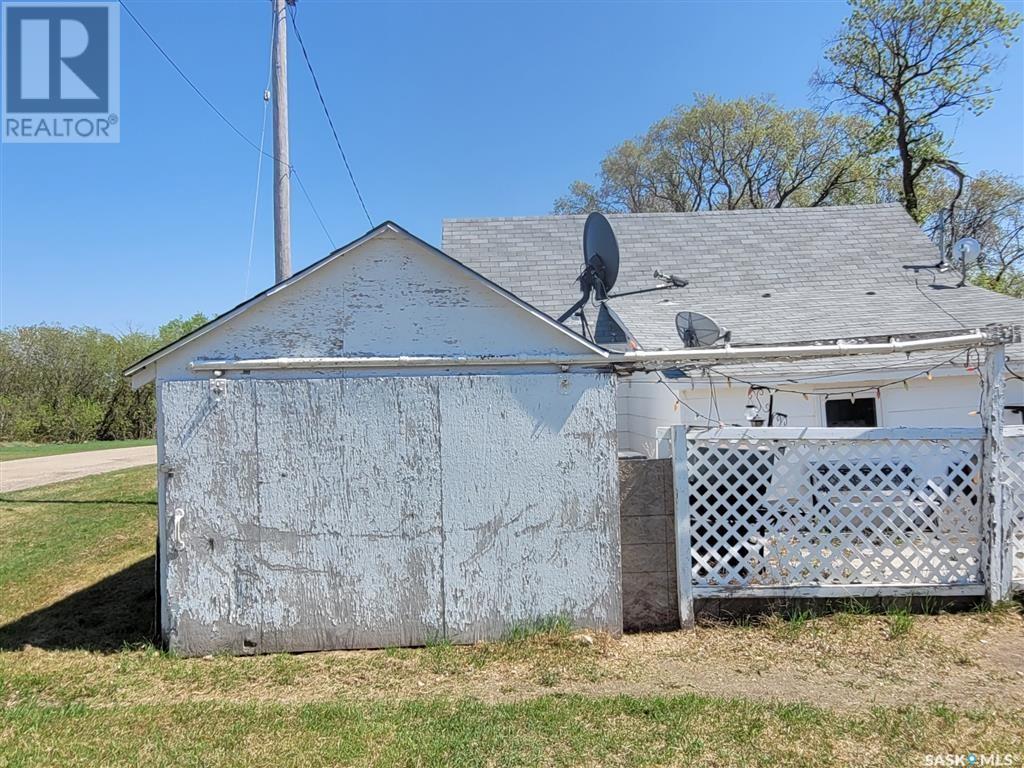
x,y
12,451
81,684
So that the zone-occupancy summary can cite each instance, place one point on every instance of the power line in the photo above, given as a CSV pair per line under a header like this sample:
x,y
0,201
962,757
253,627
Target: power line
x,y
295,173
188,80
259,159
327,113
292,169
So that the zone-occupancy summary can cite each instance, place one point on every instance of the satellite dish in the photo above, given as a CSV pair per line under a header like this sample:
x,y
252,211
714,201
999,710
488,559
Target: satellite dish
x,y
967,248
697,330
600,253
601,270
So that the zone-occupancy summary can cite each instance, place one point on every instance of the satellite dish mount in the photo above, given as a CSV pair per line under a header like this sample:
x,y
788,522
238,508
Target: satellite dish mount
x,y
601,268
968,249
697,330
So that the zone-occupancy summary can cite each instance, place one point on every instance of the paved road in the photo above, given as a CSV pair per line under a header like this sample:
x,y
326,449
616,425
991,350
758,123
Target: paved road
x,y
26,473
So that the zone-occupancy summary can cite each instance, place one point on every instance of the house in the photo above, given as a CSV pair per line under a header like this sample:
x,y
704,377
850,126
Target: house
x,y
770,277
394,446
385,449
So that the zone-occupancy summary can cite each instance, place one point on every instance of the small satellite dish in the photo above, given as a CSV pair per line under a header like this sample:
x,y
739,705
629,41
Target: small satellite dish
x,y
697,330
600,253
967,248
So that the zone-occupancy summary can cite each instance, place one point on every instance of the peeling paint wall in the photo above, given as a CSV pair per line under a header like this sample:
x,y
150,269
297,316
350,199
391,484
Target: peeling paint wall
x,y
318,513
390,296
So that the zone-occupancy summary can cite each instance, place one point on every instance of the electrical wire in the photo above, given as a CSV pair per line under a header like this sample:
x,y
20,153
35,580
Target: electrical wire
x,y
259,157
327,113
1009,370
295,173
683,403
191,84
292,169
873,369
714,399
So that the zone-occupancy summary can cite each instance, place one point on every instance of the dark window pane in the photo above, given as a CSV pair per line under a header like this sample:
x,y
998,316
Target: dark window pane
x,y
843,413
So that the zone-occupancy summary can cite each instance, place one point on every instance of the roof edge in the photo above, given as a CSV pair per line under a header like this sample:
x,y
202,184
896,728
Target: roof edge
x,y
384,226
651,214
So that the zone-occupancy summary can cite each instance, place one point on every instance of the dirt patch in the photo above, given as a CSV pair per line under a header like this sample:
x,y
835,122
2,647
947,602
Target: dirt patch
x,y
842,662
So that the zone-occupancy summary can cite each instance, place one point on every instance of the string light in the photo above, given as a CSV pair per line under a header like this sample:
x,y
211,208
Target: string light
x,y
905,382
753,387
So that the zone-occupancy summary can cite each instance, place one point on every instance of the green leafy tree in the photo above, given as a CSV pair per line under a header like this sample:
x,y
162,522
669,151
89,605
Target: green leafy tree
x,y
66,384
745,153
907,64
131,413
991,210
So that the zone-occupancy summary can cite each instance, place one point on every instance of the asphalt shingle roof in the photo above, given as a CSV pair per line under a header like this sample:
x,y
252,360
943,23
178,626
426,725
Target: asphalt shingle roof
x,y
831,272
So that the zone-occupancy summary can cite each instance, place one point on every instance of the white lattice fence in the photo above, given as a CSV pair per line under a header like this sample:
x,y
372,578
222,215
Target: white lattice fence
x,y
822,512
1013,495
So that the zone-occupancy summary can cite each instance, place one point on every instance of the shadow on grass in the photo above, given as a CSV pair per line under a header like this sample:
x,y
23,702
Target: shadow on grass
x,y
105,502
106,616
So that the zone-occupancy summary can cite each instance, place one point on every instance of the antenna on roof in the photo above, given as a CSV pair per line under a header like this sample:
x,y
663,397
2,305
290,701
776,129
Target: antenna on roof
x,y
697,330
601,268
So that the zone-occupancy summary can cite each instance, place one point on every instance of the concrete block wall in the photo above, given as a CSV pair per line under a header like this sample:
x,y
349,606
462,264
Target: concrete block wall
x,y
649,598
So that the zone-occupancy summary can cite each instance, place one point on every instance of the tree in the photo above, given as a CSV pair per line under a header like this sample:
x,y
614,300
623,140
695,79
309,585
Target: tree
x,y
66,384
746,153
991,210
906,64
131,413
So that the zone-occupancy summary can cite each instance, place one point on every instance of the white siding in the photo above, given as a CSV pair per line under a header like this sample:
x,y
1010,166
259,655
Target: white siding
x,y
645,405
342,513
389,296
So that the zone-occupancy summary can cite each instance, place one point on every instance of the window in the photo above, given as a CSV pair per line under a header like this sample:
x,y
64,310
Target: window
x,y
846,413
1013,414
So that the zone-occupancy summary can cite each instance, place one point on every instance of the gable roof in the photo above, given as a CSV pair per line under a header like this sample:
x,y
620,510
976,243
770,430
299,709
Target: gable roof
x,y
817,264
387,226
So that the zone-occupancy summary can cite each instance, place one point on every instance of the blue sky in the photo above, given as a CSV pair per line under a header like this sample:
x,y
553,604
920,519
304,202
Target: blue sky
x,y
448,109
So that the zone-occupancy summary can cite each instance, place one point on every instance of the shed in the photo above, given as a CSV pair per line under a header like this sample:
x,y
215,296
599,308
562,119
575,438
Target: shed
x,y
317,492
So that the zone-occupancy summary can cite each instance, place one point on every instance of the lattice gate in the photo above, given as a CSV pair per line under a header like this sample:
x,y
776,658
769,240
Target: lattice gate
x,y
1013,494
830,512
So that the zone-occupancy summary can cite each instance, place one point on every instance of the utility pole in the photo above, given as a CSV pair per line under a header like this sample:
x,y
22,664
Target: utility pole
x,y
282,165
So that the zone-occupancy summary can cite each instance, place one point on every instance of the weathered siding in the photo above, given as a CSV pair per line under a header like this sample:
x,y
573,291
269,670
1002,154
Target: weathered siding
x,y
342,513
390,296
530,502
